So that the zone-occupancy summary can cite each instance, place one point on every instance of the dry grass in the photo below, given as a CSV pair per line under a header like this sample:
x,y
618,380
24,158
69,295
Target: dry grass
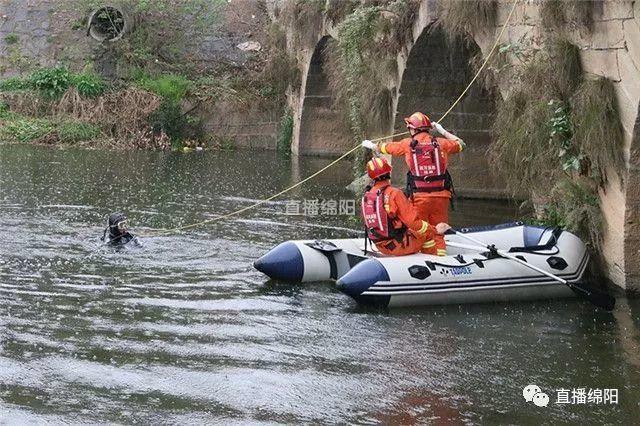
x,y
537,142
565,67
396,25
120,114
574,205
26,102
523,150
461,18
597,127
562,15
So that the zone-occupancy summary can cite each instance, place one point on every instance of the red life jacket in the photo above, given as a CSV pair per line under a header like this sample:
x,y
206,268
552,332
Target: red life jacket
x,y
427,168
379,226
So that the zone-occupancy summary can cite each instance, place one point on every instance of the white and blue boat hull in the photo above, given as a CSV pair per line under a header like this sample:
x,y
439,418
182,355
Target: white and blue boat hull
x,y
465,275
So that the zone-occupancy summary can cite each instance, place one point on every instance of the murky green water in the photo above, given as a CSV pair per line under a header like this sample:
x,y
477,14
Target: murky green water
x,y
184,331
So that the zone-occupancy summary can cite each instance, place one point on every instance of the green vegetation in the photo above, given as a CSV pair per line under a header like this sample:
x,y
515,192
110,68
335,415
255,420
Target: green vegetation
x,y
171,87
14,83
88,84
51,83
21,129
337,10
72,132
557,135
574,205
87,98
285,133
597,128
169,117
11,39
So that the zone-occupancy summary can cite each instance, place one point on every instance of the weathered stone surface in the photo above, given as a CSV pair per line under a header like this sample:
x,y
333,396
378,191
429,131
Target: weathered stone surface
x,y
632,39
614,10
322,130
631,242
628,91
607,35
612,203
601,63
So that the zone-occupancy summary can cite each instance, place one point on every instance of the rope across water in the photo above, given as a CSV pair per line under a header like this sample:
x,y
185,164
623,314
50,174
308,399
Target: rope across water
x,y
159,232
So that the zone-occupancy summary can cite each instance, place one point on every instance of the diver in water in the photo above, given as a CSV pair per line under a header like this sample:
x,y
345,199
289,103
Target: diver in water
x,y
118,234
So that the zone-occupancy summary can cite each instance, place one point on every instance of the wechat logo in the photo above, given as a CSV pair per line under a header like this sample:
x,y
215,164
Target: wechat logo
x,y
533,393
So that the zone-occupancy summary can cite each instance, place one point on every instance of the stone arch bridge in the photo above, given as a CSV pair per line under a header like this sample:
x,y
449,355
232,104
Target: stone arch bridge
x,y
431,74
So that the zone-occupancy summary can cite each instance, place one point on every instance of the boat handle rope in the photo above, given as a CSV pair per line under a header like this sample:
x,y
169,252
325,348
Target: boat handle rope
x,y
160,232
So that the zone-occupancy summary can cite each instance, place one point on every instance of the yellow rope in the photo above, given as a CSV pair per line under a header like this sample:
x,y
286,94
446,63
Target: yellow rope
x,y
328,166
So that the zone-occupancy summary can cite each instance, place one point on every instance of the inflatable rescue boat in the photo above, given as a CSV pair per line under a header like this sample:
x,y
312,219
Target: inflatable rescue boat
x,y
468,274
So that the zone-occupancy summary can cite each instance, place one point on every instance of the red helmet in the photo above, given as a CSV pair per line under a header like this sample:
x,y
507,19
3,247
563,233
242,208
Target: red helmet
x,y
418,121
377,167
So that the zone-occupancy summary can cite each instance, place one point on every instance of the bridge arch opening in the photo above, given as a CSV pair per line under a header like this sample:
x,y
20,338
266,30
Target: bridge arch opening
x,y
437,71
322,128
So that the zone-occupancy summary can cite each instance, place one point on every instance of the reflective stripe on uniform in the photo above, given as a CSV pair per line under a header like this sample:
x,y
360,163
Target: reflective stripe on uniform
x,y
441,252
429,244
424,228
383,149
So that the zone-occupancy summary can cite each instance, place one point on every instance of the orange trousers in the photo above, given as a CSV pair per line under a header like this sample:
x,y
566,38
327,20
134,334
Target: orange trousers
x,y
415,243
433,210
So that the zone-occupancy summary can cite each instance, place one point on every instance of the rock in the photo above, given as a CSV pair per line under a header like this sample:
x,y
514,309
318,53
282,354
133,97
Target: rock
x,y
250,46
358,185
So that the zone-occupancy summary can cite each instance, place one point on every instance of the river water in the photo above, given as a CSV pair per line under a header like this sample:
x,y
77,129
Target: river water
x,y
185,331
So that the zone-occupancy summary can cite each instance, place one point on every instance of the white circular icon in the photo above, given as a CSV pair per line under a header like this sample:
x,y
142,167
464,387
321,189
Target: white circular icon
x,y
541,399
529,391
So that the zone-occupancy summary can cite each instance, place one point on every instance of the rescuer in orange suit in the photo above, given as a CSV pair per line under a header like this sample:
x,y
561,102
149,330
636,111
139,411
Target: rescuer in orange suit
x,y
390,219
429,183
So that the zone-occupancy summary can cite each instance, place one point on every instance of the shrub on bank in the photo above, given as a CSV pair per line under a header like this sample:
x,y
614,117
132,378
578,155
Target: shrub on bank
x,y
16,128
88,84
171,87
21,129
52,83
285,133
72,132
548,138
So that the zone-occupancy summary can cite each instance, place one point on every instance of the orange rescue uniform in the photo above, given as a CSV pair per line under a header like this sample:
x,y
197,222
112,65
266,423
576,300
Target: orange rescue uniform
x,y
432,207
419,236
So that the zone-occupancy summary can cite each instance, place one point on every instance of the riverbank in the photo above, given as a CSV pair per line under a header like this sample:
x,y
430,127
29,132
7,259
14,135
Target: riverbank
x,y
137,80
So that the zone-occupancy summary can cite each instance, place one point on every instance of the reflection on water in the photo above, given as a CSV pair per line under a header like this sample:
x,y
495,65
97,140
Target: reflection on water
x,y
185,331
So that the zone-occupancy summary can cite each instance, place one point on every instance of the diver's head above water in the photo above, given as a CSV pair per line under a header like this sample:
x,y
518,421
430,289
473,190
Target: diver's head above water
x,y
117,225
118,232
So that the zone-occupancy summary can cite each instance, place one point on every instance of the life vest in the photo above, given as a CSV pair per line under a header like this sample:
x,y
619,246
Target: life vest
x,y
427,168
380,227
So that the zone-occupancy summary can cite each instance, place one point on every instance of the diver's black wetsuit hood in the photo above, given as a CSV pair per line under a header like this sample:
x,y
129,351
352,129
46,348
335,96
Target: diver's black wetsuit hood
x,y
114,220
116,236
